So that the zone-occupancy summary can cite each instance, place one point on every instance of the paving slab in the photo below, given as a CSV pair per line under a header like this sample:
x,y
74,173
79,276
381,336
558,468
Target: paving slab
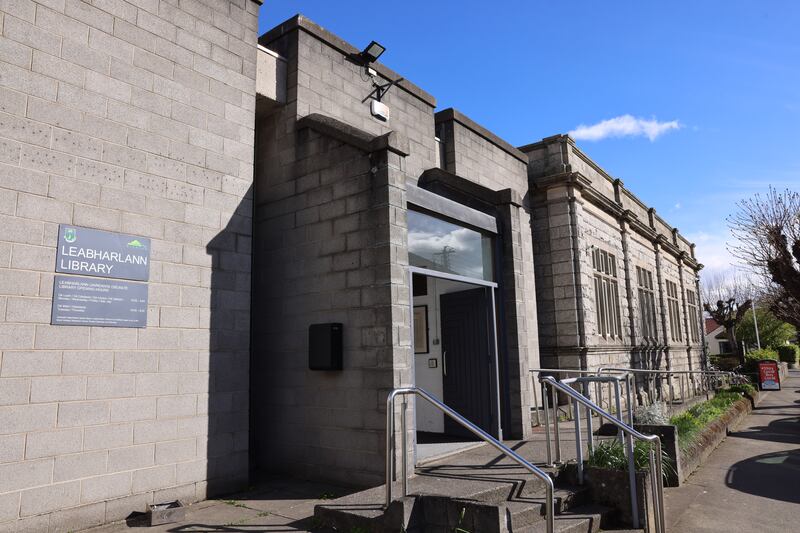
x,y
275,505
751,482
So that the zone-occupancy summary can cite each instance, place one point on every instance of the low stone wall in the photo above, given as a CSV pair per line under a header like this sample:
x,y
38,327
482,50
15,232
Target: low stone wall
x,y
685,461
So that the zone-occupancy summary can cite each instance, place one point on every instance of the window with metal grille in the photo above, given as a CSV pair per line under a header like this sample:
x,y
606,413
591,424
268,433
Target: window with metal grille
x,y
691,304
674,311
606,293
647,303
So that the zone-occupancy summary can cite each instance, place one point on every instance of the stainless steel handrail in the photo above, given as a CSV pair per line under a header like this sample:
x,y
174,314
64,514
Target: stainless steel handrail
x,y
656,467
558,371
731,377
469,426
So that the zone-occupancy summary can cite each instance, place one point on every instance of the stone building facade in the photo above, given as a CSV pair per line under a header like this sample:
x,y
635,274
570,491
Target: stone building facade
x,y
263,180
134,117
616,285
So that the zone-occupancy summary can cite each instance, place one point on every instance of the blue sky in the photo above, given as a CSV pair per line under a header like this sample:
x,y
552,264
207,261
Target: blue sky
x,y
712,89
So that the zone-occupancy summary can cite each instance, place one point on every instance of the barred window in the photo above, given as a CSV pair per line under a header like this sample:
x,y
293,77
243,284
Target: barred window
x,y
691,304
674,311
606,293
647,303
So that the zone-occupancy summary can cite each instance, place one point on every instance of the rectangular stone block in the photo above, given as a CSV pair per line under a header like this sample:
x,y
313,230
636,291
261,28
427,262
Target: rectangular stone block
x,y
16,476
87,362
153,478
83,414
28,363
131,458
14,391
77,518
79,465
107,437
12,448
28,310
113,386
175,451
104,487
58,389
132,409
50,498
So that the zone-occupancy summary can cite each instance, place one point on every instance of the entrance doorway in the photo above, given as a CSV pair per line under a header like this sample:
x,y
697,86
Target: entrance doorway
x,y
455,359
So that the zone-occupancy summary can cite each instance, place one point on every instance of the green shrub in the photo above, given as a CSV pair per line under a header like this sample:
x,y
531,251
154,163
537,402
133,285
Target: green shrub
x,y
788,353
610,455
751,359
743,388
690,423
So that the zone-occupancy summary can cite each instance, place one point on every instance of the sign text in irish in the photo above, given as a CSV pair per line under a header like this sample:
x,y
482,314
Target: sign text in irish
x,y
91,252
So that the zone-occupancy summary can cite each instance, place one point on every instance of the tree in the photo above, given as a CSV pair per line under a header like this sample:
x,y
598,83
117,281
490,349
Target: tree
x,y
726,300
768,231
772,331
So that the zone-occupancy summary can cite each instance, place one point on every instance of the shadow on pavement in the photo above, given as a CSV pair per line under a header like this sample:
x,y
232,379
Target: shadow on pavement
x,y
785,430
771,475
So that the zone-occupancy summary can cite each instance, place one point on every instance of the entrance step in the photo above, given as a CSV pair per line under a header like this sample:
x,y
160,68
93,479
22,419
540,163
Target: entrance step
x,y
584,519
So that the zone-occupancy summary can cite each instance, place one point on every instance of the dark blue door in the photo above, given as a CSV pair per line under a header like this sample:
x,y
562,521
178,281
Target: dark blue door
x,y
467,359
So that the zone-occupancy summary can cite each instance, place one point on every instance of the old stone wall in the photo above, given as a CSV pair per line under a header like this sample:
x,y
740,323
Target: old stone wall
x,y
574,200
136,117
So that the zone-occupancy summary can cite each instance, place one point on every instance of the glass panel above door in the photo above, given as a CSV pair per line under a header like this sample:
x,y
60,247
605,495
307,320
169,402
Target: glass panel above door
x,y
445,246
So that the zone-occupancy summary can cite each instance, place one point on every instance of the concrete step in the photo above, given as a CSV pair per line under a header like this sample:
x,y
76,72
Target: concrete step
x,y
527,511
584,519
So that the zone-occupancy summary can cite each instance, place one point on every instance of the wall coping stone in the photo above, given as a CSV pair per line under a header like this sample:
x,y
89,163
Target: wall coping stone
x,y
300,22
452,114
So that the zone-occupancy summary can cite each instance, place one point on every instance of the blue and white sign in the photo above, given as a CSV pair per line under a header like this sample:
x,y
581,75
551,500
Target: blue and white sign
x,y
92,252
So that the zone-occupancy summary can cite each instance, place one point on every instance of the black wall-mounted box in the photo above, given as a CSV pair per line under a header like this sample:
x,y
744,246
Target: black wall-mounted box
x,y
325,346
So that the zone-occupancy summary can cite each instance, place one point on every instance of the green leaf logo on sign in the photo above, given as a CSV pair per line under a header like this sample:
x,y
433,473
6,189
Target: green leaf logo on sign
x,y
135,244
70,235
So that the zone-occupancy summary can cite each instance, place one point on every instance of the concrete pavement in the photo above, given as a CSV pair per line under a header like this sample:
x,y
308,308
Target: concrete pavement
x,y
276,505
752,480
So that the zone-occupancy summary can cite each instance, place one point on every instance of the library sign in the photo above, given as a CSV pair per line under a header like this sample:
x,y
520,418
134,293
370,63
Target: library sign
x,y
103,299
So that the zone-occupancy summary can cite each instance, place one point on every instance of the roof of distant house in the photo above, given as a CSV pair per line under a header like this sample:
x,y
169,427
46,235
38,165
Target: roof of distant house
x,y
711,325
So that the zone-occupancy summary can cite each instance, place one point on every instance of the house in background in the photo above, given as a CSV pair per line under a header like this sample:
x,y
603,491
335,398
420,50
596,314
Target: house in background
x,y
716,339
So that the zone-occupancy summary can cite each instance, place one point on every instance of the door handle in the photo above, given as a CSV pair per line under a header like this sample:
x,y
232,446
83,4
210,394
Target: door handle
x,y
444,363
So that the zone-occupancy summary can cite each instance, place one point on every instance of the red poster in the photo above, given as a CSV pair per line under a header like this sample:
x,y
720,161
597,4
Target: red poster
x,y
768,376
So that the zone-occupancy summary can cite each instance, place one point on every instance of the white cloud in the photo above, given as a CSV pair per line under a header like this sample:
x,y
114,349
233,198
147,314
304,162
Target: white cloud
x,y
713,251
624,126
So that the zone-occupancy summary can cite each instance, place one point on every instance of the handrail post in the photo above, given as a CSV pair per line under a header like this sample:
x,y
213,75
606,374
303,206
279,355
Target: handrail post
x,y
619,408
589,427
546,411
683,390
535,398
631,378
578,441
403,440
389,446
554,394
632,481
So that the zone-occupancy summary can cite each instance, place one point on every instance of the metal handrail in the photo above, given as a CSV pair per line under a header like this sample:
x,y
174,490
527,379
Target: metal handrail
x,y
552,371
731,376
656,467
466,424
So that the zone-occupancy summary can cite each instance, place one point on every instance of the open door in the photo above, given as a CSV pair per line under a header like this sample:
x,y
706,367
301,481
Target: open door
x,y
467,362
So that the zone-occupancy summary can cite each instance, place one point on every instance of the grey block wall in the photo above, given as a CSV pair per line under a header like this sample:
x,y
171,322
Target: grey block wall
x,y
131,116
